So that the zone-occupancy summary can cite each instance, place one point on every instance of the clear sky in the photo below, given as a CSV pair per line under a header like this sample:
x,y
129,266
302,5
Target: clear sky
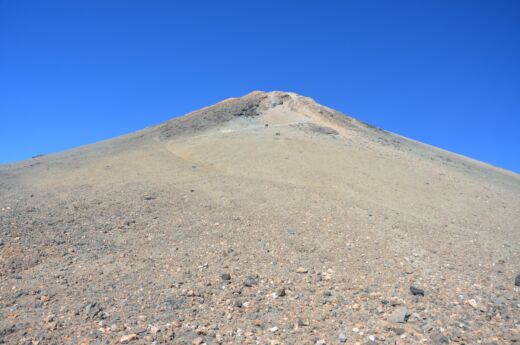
x,y
446,73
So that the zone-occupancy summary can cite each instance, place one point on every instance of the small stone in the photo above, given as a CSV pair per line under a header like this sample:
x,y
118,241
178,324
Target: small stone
x,y
476,305
2,243
45,298
321,342
473,303
280,292
499,301
249,281
372,338
517,280
49,318
115,328
302,322
399,315
398,331
154,329
128,338
197,341
301,270
438,338
342,338
416,291
226,276
273,329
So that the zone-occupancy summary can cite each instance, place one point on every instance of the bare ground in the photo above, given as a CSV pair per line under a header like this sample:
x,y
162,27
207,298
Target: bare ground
x,y
215,228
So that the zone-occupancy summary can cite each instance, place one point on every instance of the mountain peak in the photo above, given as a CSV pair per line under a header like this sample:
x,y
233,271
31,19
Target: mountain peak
x,y
255,108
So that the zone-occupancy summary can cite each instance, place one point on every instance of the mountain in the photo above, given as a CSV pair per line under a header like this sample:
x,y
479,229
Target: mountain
x,y
264,219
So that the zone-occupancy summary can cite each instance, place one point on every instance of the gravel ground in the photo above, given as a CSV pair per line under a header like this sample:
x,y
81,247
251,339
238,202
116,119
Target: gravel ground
x,y
266,219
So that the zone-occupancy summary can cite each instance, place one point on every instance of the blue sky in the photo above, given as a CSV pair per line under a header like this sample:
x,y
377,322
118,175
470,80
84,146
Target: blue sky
x,y
446,73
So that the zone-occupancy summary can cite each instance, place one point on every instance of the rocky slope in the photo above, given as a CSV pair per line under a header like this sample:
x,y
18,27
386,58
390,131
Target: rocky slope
x,y
265,219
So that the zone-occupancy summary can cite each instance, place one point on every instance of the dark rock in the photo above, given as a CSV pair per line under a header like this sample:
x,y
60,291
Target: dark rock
x,y
250,110
416,291
226,276
517,280
280,292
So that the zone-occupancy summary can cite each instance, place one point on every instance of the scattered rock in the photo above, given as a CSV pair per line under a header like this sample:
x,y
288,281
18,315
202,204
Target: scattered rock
x,y
280,292
342,338
301,270
399,315
517,280
476,305
302,323
128,338
438,338
226,276
398,331
473,303
116,328
93,310
249,281
416,291
197,341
